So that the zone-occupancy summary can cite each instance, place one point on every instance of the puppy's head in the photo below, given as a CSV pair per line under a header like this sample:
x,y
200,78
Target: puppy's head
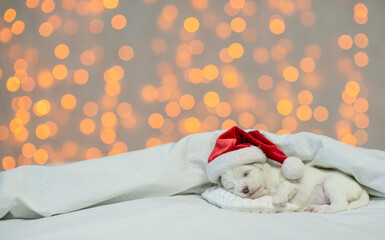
x,y
245,181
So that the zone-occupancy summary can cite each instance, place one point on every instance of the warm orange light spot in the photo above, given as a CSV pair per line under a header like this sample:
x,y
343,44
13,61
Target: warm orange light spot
x,y
28,150
361,40
96,26
307,65
149,93
170,12
42,131
46,29
126,53
250,8
361,105
284,107
90,109
261,55
158,46
20,64
196,47
186,102
4,133
313,51
278,53
349,139
60,71
32,3
87,126
225,56
361,136
112,89
195,75
108,136
8,163
170,81
346,110
223,30
361,59
211,99
230,80
236,50
55,21
47,6
23,115
110,4
237,4
118,21
230,11
109,119
199,4
277,26
211,123
210,72
352,88
124,110
9,15
42,107
13,84
361,120
172,109
162,94
87,58
40,156
289,123
16,125
304,113
81,76
305,97
93,153
246,120
265,82
227,124
223,109
68,101
18,27
308,18
156,120
290,74
5,34
52,128
62,51
45,79
191,24
238,24
71,27
321,114
345,42
152,142
109,102
192,125
183,59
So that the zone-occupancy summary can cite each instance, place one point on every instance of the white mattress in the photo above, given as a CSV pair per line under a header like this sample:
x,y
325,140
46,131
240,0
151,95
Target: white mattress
x,y
190,217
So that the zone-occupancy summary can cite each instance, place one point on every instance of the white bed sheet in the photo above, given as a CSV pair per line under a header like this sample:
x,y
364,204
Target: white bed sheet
x,y
190,217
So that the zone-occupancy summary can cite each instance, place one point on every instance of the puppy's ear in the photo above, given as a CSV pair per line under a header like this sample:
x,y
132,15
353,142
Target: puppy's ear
x,y
220,182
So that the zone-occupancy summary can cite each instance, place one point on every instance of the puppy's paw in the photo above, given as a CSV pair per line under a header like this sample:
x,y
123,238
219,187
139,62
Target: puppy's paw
x,y
279,200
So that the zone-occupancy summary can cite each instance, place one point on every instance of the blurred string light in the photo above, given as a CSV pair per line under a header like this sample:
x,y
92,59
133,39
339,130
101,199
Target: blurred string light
x,y
227,97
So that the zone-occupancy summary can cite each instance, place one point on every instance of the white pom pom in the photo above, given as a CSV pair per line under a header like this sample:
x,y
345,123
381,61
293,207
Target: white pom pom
x,y
292,168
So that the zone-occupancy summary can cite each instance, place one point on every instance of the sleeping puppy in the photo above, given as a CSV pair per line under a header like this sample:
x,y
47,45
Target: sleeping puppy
x,y
318,190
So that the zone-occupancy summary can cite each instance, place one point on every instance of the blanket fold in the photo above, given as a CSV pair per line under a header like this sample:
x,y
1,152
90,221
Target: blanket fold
x,y
170,169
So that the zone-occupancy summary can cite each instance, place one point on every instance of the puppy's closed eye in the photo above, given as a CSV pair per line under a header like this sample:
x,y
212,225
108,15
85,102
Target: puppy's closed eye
x,y
245,174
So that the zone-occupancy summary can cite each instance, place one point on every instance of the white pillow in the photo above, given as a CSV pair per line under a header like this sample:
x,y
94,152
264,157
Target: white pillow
x,y
226,200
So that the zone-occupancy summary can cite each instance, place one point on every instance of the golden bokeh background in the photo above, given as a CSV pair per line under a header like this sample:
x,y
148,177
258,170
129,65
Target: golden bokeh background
x,y
83,79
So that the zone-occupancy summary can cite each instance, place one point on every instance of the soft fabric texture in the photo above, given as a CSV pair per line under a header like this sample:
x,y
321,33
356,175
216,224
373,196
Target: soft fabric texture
x,y
226,200
237,147
175,168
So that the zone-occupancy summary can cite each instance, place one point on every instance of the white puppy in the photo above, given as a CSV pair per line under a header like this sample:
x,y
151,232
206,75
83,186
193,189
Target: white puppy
x,y
319,190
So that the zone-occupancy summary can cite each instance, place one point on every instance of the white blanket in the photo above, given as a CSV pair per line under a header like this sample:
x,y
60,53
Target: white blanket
x,y
35,191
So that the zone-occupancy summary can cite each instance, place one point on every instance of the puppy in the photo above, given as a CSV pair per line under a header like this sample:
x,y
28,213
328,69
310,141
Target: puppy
x,y
318,190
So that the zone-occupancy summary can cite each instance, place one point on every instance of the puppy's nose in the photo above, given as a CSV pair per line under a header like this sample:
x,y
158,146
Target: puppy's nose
x,y
245,190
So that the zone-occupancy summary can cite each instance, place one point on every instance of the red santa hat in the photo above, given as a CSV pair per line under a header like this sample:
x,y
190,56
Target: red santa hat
x,y
237,147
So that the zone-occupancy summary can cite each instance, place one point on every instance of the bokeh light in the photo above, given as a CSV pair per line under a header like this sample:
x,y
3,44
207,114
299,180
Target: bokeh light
x,y
87,79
